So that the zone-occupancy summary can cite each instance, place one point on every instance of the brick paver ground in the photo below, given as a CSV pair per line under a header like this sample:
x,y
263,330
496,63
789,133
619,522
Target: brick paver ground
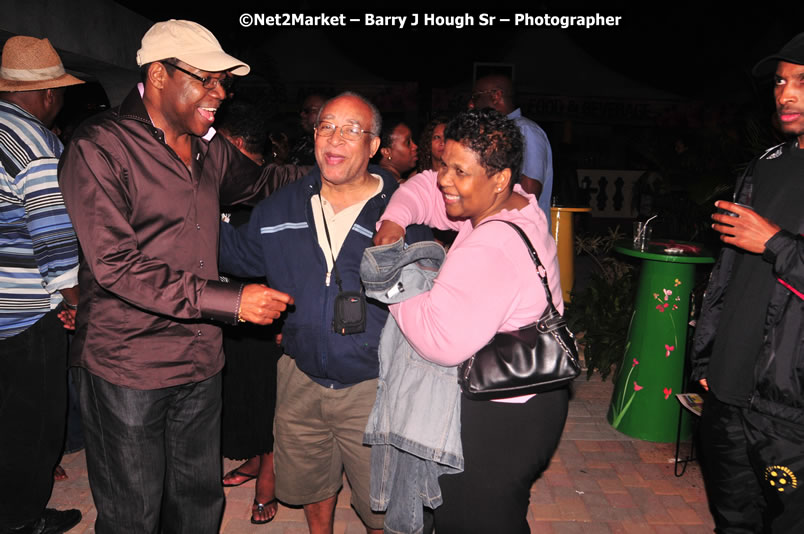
x,y
600,481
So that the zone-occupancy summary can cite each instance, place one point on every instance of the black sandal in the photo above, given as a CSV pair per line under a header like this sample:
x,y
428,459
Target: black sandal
x,y
237,473
261,509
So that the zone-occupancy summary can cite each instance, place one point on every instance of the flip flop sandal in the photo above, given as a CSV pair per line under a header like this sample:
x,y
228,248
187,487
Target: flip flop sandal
x,y
237,473
261,509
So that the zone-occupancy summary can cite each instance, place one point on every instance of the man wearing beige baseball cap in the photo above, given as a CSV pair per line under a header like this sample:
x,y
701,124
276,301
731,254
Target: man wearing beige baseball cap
x,y
143,184
38,277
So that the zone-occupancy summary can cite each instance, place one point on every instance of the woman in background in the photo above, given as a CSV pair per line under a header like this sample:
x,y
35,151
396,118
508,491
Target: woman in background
x,y
252,351
398,152
431,144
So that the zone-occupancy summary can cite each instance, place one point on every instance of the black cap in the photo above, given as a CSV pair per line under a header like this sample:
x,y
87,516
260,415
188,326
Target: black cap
x,y
792,52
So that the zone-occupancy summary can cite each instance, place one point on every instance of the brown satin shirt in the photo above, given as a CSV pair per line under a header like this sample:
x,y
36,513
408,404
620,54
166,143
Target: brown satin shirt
x,y
148,229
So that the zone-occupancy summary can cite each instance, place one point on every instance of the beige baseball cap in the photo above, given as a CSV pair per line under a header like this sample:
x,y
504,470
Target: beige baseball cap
x,y
189,42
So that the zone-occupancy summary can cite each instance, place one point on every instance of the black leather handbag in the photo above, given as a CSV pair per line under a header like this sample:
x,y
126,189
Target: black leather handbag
x,y
534,359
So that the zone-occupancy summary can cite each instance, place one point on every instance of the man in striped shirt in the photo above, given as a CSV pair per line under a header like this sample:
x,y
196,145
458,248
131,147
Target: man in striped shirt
x,y
38,276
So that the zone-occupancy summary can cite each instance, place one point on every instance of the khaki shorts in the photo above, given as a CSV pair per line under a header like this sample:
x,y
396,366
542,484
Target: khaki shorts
x,y
318,433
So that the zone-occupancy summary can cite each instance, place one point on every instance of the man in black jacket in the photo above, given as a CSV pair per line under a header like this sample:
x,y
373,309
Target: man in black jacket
x,y
748,347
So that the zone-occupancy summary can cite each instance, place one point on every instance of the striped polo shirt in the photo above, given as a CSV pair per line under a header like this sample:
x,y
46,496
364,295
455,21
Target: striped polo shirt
x,y
38,247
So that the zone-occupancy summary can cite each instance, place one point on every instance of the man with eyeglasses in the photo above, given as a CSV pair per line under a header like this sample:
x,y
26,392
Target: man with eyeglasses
x,y
142,184
497,92
307,239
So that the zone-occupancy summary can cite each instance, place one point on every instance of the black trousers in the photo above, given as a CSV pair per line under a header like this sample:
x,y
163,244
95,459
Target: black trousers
x,y
506,447
33,412
753,466
153,456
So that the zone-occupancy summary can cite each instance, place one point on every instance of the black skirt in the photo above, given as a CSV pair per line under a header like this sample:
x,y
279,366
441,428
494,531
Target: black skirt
x,y
249,390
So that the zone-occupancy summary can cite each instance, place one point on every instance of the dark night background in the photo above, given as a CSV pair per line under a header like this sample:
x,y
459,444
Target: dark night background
x,y
706,115
688,48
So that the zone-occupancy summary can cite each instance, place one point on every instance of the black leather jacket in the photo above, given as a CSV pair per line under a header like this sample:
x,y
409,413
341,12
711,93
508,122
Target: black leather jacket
x,y
779,371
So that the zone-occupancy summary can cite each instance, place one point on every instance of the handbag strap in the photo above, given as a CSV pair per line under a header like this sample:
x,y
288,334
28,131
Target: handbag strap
x,y
540,269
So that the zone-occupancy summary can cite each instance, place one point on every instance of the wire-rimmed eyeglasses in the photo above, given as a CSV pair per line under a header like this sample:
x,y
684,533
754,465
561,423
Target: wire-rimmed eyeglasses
x,y
350,132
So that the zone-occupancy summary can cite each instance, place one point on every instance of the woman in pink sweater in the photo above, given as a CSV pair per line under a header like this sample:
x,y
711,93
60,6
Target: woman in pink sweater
x,y
487,284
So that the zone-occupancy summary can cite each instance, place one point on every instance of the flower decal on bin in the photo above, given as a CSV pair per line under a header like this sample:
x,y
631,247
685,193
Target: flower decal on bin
x,y
621,406
664,302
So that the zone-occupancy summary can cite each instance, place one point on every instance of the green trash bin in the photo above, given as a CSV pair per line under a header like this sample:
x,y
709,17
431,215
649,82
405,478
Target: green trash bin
x,y
643,403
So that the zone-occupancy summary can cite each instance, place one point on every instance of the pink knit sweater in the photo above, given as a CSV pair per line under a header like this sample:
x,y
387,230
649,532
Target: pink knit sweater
x,y
488,282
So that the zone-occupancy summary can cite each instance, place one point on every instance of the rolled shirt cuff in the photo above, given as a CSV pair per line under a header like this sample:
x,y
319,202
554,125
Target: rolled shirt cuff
x,y
65,280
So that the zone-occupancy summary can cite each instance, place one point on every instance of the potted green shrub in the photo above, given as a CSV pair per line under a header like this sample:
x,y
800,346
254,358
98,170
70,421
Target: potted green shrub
x,y
600,312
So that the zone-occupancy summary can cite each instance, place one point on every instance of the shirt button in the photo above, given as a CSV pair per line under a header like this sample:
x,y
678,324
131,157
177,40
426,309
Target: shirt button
x,y
197,226
201,263
199,333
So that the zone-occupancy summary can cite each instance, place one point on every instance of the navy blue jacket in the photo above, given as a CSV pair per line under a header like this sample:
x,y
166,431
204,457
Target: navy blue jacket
x,y
280,243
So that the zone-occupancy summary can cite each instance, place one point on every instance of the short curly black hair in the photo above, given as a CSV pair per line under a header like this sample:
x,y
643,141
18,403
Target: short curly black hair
x,y
495,139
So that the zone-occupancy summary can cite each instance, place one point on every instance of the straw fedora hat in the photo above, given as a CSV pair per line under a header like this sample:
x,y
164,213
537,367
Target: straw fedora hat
x,y
31,64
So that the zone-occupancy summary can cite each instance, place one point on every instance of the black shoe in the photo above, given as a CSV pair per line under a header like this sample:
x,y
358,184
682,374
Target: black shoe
x,y
51,522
